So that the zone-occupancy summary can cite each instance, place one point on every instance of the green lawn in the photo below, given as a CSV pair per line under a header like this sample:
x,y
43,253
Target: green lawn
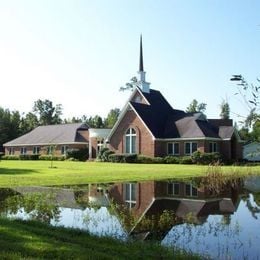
x,y
23,173
33,240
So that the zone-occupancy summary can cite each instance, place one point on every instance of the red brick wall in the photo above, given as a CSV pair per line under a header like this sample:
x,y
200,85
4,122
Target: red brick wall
x,y
145,143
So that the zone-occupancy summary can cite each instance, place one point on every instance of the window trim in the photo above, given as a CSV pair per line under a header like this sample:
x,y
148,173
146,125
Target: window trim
x,y
213,145
131,135
11,151
36,149
190,145
173,149
191,190
173,188
23,150
64,149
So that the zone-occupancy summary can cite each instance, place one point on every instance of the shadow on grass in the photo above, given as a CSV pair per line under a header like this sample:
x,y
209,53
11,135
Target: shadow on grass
x,y
14,171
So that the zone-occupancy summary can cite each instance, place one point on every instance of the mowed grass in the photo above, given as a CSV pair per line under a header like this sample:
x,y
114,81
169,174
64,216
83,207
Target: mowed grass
x,y
32,240
27,173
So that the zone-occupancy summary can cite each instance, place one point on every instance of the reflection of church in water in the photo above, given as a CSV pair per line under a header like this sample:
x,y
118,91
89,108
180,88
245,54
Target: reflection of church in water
x,y
139,203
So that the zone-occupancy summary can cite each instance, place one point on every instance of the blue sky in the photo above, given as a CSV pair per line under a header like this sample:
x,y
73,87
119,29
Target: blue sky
x,y
79,53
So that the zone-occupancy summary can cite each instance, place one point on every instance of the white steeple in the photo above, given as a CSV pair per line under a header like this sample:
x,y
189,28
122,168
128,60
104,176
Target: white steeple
x,y
144,86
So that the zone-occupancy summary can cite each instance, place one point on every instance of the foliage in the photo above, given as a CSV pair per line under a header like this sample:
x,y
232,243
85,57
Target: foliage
x,y
78,154
186,160
130,85
122,158
11,157
196,107
9,125
47,112
224,110
46,157
206,158
29,156
147,159
103,155
111,118
170,159
250,94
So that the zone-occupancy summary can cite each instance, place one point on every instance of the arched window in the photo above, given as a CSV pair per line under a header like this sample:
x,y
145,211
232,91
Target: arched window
x,y
130,141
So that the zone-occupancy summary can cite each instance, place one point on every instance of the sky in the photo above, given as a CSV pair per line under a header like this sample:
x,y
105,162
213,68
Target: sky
x,y
79,53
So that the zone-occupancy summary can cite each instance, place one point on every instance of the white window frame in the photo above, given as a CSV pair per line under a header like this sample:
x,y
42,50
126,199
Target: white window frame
x,y
11,151
131,135
173,150
131,202
64,149
213,145
190,144
36,149
23,150
50,150
173,188
191,190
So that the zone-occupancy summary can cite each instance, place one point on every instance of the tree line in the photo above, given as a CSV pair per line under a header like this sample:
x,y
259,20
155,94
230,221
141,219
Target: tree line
x,y
44,112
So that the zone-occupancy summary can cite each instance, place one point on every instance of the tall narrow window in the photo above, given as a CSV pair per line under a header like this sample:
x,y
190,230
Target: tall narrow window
x,y
130,194
130,141
64,149
23,150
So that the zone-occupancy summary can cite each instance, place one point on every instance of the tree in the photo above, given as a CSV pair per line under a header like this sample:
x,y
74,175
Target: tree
x,y
129,85
196,107
224,110
250,94
112,117
48,114
28,123
9,125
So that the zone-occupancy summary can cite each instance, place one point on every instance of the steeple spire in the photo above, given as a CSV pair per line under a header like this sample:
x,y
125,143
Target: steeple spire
x,y
141,63
144,86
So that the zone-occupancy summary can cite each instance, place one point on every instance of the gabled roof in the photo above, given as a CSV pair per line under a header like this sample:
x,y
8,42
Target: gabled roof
x,y
164,122
51,134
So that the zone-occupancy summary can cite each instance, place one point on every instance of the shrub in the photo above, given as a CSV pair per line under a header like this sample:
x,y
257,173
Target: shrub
x,y
172,159
10,157
103,155
29,156
122,158
186,160
144,159
205,158
78,154
51,158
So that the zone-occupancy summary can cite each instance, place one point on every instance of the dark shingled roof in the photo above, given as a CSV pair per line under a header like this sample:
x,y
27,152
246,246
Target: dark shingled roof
x,y
165,122
51,134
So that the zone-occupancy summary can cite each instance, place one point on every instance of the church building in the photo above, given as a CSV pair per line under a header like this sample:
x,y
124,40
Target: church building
x,y
148,125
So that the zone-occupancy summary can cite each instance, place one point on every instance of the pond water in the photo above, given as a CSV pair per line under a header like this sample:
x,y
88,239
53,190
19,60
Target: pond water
x,y
216,217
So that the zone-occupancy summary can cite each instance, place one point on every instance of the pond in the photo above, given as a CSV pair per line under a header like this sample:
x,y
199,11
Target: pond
x,y
214,217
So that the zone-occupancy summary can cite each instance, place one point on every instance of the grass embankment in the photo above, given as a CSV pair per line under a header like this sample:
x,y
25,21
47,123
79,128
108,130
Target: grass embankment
x,y
31,240
26,173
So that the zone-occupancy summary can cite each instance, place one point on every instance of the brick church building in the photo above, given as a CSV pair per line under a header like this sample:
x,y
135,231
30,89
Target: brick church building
x,y
148,125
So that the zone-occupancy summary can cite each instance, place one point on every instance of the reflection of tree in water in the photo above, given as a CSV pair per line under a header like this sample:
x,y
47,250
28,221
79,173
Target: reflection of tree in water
x,y
189,236
38,206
